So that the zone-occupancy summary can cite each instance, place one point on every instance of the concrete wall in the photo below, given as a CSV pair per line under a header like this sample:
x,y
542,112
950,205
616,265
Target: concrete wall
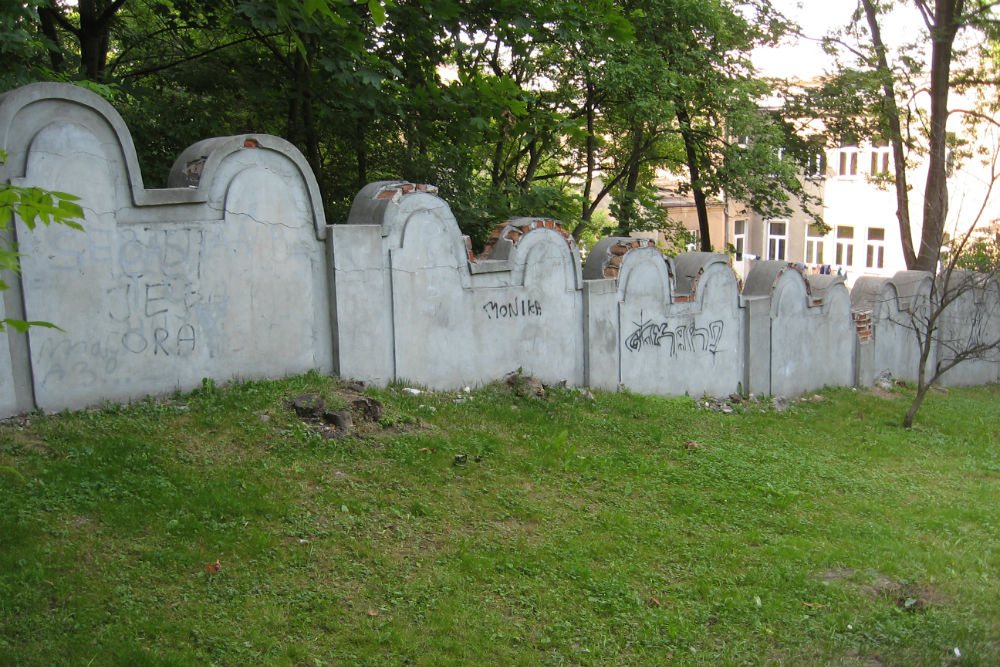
x,y
447,318
898,308
232,272
970,327
802,332
677,325
221,277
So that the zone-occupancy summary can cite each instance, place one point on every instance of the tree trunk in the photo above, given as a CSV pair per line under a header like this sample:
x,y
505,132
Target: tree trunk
x,y
94,34
626,222
590,148
46,16
693,162
936,190
891,111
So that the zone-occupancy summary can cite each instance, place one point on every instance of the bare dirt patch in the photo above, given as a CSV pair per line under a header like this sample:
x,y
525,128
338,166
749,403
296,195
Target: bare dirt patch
x,y
909,596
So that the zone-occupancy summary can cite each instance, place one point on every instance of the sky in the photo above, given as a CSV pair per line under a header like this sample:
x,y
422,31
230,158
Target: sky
x,y
804,58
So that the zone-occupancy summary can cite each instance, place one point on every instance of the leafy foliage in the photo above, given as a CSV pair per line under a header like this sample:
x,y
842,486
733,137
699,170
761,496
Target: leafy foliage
x,y
542,107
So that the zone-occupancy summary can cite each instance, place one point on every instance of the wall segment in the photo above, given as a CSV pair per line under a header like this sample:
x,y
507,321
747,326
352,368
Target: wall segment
x,y
225,278
233,272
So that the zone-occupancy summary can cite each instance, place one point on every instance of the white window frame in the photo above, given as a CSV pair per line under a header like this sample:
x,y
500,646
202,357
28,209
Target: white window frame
x,y
847,166
777,243
875,249
881,158
814,245
816,167
740,237
845,246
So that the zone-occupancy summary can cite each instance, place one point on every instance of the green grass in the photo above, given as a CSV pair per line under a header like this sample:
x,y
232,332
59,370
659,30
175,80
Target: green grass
x,y
579,532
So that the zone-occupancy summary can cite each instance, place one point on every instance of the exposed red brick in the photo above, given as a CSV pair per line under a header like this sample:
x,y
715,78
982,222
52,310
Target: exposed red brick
x,y
618,249
616,260
386,194
610,272
863,325
250,142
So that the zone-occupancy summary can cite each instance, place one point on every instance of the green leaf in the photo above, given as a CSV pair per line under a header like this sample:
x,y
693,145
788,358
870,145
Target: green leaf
x,y
377,11
22,325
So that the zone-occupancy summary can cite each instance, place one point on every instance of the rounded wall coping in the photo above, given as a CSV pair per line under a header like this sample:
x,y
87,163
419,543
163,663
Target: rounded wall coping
x,y
911,287
506,235
690,266
14,102
764,275
525,233
607,255
868,290
391,204
198,164
371,203
661,264
821,288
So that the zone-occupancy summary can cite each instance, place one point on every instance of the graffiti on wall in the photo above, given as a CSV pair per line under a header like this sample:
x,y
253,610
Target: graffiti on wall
x,y
512,309
677,337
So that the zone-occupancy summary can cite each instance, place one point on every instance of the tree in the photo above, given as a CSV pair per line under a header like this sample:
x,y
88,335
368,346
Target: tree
x,y
902,95
881,98
961,320
556,107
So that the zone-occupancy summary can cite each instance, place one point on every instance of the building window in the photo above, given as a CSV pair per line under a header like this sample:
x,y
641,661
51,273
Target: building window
x,y
845,246
880,160
777,237
816,166
740,237
848,162
814,245
875,258
694,240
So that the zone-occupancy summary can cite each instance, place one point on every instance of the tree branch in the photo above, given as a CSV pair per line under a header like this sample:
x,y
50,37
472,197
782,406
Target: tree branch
x,y
110,11
160,68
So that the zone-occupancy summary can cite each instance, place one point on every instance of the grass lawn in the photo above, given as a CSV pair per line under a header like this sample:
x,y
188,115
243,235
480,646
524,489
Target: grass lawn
x,y
615,529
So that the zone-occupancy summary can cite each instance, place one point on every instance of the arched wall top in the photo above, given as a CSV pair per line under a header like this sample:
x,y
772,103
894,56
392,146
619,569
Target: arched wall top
x,y
199,163
869,291
912,288
15,102
691,269
764,276
391,204
606,257
519,237
825,290
790,294
210,153
965,284
642,257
